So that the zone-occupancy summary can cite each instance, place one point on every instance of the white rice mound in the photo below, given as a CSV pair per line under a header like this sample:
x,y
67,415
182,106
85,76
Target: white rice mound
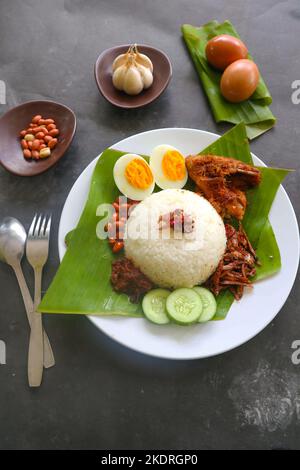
x,y
174,259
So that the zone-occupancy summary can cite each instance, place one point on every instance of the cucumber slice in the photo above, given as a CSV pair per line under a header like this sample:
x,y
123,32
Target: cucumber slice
x,y
184,306
154,306
209,304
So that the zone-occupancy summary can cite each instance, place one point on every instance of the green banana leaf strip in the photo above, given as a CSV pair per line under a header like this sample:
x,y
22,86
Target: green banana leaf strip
x,y
254,112
259,202
268,253
82,283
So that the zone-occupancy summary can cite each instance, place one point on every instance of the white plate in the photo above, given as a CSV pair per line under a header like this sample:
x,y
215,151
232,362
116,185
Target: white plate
x,y
245,319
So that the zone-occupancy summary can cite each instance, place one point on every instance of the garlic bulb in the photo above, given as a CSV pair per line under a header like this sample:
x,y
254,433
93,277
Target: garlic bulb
x,y
132,72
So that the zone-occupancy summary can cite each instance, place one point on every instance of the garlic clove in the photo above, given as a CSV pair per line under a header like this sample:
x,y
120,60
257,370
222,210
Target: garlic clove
x,y
119,61
133,83
142,59
119,77
122,58
146,75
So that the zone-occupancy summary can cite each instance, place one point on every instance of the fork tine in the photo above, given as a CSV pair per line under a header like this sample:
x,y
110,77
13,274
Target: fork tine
x,y
42,230
31,230
37,227
47,232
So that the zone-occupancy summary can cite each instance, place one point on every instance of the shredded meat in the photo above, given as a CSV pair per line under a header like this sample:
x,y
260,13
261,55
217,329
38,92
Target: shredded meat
x,y
237,267
128,279
223,181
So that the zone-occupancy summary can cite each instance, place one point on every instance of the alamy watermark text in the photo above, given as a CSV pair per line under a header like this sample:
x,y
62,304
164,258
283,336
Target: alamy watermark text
x,y
2,92
2,352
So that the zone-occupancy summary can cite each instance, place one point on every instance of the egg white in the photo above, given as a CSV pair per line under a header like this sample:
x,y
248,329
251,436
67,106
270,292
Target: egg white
x,y
155,163
123,184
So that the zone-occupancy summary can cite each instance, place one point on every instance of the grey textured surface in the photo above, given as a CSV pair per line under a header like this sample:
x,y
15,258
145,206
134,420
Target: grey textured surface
x,y
101,395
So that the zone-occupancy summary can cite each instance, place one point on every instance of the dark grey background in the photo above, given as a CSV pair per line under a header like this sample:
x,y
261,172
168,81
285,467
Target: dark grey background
x,y
100,394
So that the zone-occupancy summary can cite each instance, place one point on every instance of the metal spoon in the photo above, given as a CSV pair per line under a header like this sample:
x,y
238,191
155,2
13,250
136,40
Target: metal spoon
x,y
12,245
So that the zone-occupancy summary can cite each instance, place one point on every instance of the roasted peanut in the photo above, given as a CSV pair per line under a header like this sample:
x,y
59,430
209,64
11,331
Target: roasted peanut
x,y
35,154
36,119
36,144
24,144
112,230
117,247
45,152
38,129
54,132
29,137
27,153
48,121
40,135
116,206
119,223
23,133
47,138
52,143
50,127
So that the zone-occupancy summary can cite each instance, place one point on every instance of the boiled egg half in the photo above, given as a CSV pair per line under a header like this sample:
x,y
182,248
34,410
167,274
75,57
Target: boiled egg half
x,y
133,176
168,167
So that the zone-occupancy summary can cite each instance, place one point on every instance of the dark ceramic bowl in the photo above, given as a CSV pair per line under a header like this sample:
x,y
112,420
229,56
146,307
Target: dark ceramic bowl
x,y
162,73
18,118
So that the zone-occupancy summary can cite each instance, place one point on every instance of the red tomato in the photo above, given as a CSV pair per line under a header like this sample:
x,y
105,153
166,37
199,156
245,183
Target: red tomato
x,y
222,50
239,81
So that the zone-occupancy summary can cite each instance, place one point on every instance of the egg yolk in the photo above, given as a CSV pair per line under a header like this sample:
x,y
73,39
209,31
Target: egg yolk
x,y
138,174
173,165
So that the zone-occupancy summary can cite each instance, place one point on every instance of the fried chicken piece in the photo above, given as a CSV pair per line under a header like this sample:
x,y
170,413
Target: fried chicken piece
x,y
223,181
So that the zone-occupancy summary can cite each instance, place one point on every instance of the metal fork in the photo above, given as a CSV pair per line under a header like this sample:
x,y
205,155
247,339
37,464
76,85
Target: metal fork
x,y
37,249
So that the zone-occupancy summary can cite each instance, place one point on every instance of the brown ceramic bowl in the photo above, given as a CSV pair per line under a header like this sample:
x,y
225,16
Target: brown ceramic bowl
x,y
162,73
18,118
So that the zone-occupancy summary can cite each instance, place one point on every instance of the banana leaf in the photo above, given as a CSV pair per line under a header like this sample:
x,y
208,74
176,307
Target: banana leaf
x,y
82,282
255,111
